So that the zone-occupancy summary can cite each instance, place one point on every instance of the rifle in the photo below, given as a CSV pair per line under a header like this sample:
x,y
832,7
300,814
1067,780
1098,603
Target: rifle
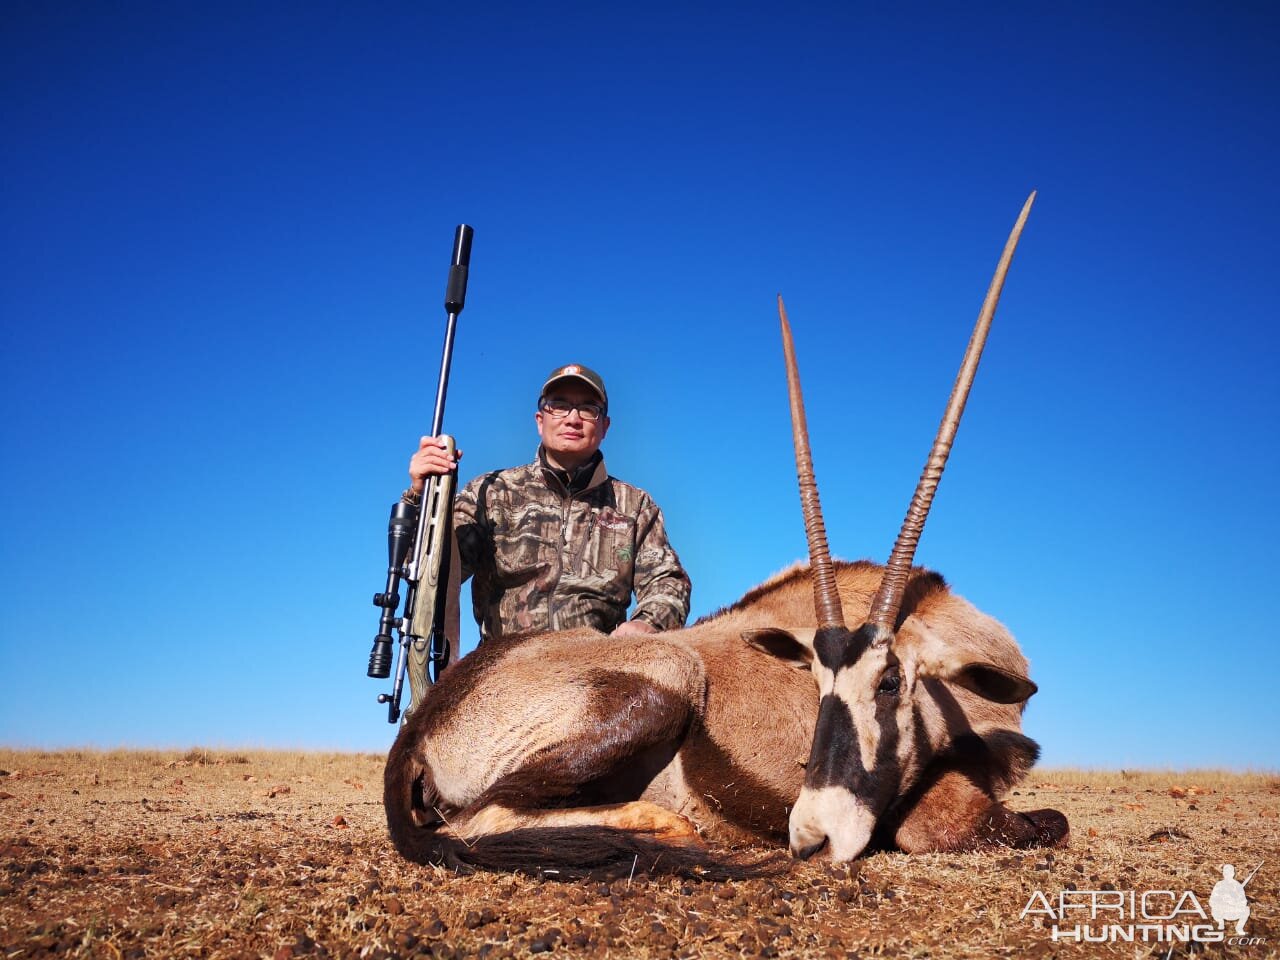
x,y
421,535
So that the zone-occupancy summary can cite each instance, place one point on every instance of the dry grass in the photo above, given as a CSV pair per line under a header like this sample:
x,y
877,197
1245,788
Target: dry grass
x,y
217,854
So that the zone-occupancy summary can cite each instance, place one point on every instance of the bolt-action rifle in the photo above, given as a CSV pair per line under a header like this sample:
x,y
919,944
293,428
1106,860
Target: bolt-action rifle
x,y
418,543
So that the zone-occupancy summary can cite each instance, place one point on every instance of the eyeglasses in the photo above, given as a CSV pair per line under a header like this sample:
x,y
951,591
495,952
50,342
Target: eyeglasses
x,y
562,408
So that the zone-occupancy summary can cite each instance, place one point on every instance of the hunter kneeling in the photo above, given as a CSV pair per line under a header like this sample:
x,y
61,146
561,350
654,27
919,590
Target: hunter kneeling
x,y
558,543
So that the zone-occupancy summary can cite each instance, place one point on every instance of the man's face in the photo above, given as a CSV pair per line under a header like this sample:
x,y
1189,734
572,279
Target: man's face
x,y
570,440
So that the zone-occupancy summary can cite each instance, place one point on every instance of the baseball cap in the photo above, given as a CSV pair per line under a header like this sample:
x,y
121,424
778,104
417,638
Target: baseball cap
x,y
576,371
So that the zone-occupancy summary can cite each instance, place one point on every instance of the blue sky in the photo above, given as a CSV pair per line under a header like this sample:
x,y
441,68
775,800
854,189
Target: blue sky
x,y
225,236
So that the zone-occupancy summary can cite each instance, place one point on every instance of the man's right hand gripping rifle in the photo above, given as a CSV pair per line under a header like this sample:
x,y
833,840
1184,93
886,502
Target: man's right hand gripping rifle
x,y
431,460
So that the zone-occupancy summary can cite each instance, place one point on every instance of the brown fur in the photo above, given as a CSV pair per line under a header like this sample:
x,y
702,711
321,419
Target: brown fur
x,y
699,724
954,807
731,787
858,582
631,715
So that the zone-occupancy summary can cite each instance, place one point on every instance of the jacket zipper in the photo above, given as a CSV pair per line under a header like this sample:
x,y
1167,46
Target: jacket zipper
x,y
565,509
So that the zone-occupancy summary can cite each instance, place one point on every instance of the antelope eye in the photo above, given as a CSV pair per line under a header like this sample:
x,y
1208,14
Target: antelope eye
x,y
890,683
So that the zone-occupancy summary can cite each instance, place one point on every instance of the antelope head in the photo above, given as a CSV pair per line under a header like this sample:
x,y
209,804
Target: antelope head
x,y
865,746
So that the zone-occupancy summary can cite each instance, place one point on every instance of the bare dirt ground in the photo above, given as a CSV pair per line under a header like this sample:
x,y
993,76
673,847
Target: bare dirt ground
x,y
221,854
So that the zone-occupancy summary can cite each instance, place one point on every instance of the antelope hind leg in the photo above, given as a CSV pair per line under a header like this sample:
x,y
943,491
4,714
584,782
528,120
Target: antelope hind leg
x,y
563,784
952,812
639,816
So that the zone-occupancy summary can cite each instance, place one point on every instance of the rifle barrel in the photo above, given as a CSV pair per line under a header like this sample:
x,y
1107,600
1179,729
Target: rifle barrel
x,y
455,297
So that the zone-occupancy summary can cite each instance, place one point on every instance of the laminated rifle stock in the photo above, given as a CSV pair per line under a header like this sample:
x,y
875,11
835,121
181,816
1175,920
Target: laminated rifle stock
x,y
430,573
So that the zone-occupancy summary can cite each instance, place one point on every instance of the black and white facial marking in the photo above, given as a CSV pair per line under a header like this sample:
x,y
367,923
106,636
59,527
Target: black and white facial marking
x,y
860,745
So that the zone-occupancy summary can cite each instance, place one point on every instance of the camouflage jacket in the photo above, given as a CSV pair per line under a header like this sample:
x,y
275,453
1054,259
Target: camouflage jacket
x,y
550,552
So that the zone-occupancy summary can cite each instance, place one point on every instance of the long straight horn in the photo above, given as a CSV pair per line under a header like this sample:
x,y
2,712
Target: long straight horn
x,y
888,599
826,596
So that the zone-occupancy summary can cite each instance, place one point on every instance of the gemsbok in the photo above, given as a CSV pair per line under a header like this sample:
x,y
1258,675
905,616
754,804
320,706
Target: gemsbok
x,y
575,753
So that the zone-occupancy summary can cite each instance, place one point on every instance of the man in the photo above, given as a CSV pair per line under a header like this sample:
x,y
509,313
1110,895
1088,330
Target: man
x,y
559,543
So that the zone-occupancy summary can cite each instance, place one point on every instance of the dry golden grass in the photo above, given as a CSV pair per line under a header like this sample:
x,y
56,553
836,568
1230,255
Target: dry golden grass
x,y
218,854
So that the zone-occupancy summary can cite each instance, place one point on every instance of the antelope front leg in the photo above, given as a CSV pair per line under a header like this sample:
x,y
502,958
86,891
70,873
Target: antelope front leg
x,y
953,813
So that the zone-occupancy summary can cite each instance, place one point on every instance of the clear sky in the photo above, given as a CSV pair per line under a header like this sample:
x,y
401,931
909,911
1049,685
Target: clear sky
x,y
226,229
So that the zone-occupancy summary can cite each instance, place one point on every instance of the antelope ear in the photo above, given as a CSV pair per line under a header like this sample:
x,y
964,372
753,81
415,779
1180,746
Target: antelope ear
x,y
992,683
793,646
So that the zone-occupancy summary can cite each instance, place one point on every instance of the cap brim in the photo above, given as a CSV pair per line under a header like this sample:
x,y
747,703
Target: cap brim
x,y
577,378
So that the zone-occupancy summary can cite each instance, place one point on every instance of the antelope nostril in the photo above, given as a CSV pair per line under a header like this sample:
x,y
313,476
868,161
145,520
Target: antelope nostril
x,y
810,850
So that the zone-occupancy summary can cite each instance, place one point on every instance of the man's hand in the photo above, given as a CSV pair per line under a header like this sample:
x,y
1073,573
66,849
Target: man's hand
x,y
633,628
431,460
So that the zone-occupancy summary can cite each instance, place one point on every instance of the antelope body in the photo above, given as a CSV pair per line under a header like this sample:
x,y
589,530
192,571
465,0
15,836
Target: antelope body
x,y
530,745
576,752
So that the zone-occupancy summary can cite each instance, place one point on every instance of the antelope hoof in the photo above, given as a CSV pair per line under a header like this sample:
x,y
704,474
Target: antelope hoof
x,y
1052,829
665,825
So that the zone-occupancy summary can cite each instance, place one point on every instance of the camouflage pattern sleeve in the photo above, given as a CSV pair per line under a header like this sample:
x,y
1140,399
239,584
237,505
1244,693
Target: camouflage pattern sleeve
x,y
662,587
